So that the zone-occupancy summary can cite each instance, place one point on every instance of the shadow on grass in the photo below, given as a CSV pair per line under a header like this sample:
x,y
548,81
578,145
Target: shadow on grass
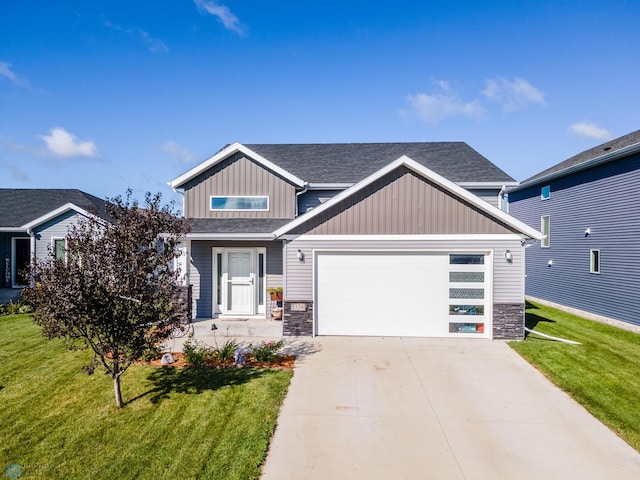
x,y
531,320
167,380
529,306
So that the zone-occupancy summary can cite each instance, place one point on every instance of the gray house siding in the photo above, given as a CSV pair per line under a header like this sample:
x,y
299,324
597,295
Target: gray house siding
x,y
56,228
489,195
402,202
507,276
605,199
201,271
238,175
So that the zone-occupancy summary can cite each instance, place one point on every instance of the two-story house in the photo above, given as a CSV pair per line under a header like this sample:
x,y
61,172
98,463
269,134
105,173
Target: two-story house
x,y
391,239
588,209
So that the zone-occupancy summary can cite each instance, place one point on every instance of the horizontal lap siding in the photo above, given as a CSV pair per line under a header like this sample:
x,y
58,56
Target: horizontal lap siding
x,y
56,228
507,286
605,199
238,175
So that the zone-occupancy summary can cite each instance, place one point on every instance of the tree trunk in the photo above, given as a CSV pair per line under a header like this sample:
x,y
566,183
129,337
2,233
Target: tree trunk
x,y
117,391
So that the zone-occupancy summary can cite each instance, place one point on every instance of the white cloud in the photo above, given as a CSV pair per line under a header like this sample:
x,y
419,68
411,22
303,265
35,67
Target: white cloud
x,y
63,144
513,95
228,19
591,130
5,71
177,151
155,45
438,106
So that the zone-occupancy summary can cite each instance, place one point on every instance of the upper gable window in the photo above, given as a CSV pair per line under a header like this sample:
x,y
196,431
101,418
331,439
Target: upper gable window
x,y
545,192
244,204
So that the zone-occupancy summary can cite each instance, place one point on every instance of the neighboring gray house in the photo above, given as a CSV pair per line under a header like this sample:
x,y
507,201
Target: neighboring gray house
x,y
32,221
393,239
588,209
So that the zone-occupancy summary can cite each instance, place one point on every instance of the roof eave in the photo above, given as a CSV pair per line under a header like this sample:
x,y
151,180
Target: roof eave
x,y
607,157
230,236
55,213
226,153
427,173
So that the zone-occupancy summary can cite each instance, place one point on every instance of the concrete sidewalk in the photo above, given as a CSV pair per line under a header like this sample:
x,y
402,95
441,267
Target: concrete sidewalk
x,y
416,408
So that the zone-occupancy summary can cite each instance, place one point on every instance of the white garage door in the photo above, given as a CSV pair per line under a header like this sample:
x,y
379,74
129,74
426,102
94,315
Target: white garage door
x,y
400,294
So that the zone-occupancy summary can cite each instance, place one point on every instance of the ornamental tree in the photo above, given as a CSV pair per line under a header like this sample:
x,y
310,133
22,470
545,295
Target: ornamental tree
x,y
115,292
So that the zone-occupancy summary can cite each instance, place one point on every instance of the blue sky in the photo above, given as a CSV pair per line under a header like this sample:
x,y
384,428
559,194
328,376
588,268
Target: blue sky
x,y
105,95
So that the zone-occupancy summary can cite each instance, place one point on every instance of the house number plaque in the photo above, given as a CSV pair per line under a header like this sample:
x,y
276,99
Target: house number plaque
x,y
298,307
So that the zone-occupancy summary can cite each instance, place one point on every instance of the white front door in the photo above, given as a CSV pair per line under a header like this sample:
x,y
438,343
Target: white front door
x,y
240,282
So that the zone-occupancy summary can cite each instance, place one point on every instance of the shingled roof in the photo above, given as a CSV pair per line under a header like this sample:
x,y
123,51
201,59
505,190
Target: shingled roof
x,y
20,206
352,162
606,151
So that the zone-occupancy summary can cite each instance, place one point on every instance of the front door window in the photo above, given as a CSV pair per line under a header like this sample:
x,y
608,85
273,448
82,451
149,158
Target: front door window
x,y
240,282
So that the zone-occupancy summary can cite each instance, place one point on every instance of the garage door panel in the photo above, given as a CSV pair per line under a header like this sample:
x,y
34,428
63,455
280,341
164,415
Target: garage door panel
x,y
384,294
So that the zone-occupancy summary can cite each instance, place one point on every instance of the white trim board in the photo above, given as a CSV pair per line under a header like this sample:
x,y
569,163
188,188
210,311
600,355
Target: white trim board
x,y
426,173
225,153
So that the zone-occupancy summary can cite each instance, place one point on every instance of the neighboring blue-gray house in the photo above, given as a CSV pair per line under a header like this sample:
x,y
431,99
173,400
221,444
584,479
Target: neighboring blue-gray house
x,y
588,210
31,222
383,239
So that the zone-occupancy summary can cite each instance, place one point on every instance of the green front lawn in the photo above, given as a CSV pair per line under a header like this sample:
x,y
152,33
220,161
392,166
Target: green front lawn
x,y
58,422
602,374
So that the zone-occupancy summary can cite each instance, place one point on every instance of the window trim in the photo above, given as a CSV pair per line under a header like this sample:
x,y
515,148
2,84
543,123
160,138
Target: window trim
x,y
547,189
53,247
592,263
238,209
545,241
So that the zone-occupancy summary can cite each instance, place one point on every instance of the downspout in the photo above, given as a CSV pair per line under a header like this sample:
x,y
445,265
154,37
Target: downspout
x,y
32,248
301,192
501,198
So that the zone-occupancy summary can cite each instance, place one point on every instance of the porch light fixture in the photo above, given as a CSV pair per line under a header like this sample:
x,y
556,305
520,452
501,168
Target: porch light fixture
x,y
549,263
508,256
587,232
300,255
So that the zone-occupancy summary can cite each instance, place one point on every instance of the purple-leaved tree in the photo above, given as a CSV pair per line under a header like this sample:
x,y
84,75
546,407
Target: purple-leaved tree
x,y
115,292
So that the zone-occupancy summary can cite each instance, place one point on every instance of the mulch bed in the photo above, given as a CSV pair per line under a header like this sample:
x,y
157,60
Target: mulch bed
x,y
280,362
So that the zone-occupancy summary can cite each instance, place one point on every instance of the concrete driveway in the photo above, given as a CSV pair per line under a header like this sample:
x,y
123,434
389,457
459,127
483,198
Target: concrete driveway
x,y
416,408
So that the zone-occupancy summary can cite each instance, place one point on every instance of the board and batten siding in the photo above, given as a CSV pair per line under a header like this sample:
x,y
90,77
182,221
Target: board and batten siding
x,y
239,175
201,271
55,228
507,276
605,199
402,202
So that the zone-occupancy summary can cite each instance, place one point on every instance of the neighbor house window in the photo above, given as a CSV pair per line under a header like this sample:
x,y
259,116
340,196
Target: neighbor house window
x,y
232,203
59,248
545,192
545,229
595,261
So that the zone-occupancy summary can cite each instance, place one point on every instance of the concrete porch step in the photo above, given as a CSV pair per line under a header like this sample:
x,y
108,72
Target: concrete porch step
x,y
238,328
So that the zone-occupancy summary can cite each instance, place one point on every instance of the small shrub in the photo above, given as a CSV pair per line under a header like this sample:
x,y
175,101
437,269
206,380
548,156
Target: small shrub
x,y
12,308
196,353
25,308
151,353
227,351
266,351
